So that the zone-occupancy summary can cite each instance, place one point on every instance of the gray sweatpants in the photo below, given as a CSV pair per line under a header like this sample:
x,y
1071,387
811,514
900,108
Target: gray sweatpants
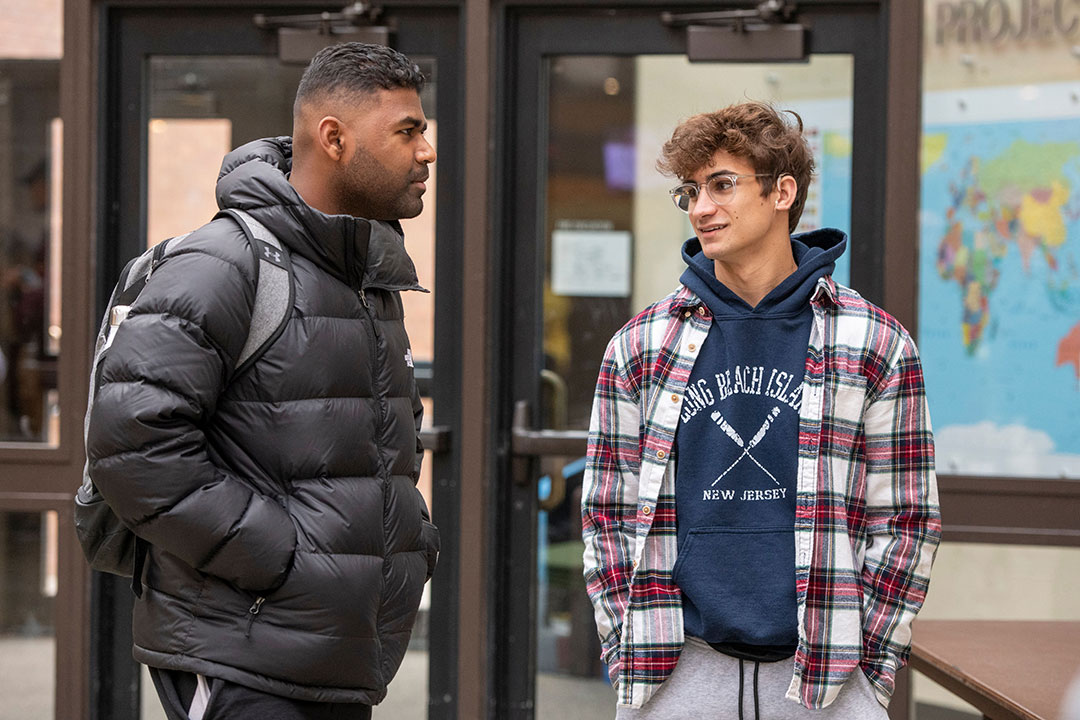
x,y
705,685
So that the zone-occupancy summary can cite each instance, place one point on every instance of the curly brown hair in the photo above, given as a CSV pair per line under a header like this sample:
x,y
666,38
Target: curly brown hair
x,y
755,131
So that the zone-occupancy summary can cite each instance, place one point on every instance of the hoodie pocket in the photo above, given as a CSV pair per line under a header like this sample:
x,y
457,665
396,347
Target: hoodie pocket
x,y
738,584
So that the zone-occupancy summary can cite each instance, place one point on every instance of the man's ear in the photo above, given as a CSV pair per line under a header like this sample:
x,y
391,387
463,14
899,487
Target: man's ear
x,y
330,137
786,188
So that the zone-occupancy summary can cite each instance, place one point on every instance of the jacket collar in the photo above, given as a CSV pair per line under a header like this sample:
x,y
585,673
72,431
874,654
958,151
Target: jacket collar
x,y
367,253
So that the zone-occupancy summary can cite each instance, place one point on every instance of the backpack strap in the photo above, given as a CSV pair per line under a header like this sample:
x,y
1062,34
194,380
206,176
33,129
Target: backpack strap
x,y
274,288
131,282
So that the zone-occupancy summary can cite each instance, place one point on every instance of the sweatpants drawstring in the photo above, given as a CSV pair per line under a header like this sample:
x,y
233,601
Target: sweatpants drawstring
x,y
757,666
740,688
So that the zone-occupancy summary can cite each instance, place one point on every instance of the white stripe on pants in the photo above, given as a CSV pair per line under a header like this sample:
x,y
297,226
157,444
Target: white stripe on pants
x,y
201,699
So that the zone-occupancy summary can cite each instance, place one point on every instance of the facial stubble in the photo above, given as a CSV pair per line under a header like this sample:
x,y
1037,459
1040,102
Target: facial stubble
x,y
372,191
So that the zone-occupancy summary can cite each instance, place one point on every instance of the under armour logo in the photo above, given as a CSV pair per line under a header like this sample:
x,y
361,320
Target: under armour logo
x,y
746,447
271,254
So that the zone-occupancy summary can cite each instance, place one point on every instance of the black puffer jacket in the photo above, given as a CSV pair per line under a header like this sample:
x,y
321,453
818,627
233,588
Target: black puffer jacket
x,y
289,543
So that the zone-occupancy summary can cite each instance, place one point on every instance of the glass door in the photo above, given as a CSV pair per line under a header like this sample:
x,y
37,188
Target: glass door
x,y
597,239
188,86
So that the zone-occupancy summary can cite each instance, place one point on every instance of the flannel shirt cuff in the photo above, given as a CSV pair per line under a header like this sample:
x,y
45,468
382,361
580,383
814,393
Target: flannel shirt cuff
x,y
610,655
880,670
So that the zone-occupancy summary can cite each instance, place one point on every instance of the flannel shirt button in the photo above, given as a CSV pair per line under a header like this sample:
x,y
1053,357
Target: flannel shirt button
x,y
661,454
701,310
646,510
674,397
687,314
635,564
692,347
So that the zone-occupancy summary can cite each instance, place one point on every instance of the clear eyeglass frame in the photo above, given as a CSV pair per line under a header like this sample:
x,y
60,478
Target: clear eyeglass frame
x,y
720,188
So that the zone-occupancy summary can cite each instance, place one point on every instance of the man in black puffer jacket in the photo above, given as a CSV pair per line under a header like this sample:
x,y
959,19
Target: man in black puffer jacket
x,y
289,545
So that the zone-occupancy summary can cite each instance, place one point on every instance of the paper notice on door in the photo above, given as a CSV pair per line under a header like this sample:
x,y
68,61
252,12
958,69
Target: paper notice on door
x,y
594,263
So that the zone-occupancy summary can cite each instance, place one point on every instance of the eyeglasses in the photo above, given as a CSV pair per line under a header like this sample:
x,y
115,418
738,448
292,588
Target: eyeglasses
x,y
721,189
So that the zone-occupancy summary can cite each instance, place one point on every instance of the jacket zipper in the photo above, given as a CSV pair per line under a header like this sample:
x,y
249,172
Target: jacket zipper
x,y
253,611
374,334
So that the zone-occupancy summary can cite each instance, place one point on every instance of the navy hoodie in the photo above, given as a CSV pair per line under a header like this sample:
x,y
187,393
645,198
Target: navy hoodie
x,y
736,451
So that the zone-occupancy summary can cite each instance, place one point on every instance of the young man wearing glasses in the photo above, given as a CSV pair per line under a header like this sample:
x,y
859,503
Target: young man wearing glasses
x,y
760,508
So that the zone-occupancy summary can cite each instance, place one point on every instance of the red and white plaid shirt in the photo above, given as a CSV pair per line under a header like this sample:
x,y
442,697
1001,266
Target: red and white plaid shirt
x,y
866,522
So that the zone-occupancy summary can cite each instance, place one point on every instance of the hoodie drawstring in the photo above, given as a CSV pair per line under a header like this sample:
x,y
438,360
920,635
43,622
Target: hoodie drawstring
x,y
757,666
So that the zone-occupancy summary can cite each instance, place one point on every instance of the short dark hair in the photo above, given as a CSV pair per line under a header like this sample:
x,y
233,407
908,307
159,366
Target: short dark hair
x,y
356,68
755,131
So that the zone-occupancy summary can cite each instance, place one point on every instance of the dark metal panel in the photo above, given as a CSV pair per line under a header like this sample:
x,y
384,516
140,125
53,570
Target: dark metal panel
x,y
904,108
863,33
764,43
299,46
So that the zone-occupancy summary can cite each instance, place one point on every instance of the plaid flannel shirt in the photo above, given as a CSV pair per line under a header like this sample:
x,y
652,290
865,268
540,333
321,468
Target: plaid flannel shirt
x,y
867,523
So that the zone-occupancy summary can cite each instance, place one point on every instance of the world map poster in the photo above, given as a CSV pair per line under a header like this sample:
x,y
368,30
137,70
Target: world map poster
x,y
999,279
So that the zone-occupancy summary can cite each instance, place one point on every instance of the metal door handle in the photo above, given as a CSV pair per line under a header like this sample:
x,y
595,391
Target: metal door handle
x,y
436,439
526,443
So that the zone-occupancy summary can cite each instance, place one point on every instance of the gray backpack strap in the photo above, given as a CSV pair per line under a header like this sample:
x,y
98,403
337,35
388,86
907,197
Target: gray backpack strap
x,y
131,282
273,289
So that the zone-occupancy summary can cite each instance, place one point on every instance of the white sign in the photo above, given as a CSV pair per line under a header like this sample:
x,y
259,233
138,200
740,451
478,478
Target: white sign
x,y
594,263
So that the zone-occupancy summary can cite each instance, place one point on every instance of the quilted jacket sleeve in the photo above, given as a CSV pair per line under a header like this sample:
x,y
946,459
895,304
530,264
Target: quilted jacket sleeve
x,y
161,380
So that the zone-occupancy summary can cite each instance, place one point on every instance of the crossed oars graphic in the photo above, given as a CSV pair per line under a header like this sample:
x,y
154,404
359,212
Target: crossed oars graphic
x,y
737,439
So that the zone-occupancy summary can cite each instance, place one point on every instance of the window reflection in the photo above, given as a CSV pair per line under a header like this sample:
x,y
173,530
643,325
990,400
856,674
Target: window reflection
x,y
614,240
30,151
28,543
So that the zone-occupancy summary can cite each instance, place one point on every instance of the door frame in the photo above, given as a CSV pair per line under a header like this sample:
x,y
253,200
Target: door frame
x,y
528,33
127,37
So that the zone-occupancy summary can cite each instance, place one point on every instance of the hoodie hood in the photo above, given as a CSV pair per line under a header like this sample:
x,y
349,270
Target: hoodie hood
x,y
815,254
372,254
